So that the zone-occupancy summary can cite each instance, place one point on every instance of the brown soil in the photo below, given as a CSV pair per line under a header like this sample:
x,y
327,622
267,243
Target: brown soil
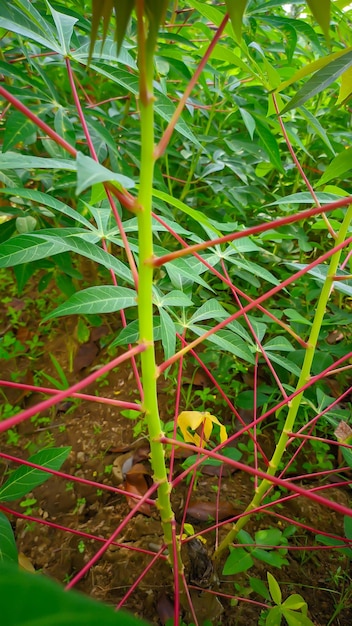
x,y
92,429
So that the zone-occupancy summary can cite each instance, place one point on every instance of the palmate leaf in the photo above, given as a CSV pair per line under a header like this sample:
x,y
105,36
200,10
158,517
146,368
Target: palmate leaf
x,y
22,17
18,129
40,245
64,25
163,106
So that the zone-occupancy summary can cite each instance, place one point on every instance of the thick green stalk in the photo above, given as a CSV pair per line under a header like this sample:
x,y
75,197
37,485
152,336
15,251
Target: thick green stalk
x,y
303,379
145,282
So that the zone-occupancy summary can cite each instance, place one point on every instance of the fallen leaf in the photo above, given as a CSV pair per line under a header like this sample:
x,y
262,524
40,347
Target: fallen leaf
x,y
85,355
200,511
23,333
198,379
17,303
137,486
165,609
334,337
99,332
343,432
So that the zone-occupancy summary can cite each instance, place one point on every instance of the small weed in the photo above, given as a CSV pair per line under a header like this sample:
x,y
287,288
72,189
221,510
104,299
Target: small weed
x,y
80,503
12,437
28,504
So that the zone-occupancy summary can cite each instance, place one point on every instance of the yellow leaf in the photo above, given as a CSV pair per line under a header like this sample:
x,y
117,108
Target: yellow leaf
x,y
223,433
191,420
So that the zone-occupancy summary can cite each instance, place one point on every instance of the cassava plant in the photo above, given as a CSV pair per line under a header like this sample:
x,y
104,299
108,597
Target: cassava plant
x,y
180,293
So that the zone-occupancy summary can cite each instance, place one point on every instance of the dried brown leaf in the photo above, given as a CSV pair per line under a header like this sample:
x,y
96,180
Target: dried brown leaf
x,y
85,355
200,511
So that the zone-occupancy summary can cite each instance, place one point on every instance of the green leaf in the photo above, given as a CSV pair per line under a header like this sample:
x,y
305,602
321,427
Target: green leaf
x,y
181,272
89,172
163,106
321,79
296,619
168,334
32,247
249,121
64,24
270,144
274,617
211,309
212,15
274,589
17,161
34,600
7,229
255,269
287,364
130,333
330,541
235,9
25,224
96,300
312,67
268,537
341,164
8,549
273,558
278,343
259,587
294,602
238,561
347,525
321,12
198,216
294,316
317,127
304,197
18,129
227,340
25,478
21,17
320,272
175,298
47,201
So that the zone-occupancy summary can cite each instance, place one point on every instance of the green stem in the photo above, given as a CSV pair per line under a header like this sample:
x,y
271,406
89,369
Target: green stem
x,y
303,379
145,305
